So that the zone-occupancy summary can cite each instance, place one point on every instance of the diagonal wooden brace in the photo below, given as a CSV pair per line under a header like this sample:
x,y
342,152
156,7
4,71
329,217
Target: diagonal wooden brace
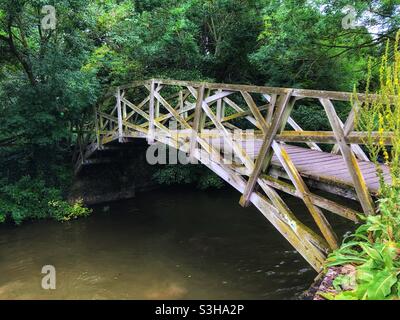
x,y
266,146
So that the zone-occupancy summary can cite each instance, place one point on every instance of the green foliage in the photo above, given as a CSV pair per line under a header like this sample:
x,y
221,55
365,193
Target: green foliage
x,y
375,251
63,211
301,45
29,199
188,174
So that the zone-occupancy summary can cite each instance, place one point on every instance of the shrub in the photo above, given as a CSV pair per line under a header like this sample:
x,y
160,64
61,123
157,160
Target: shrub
x,y
29,199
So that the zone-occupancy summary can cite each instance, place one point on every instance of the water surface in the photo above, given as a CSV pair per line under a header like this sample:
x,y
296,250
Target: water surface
x,y
166,244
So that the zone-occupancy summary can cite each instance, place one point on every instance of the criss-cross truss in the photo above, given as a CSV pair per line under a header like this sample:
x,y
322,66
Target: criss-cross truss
x,y
269,151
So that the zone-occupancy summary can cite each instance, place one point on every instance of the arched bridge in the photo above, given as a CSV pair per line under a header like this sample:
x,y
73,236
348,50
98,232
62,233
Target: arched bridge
x,y
246,135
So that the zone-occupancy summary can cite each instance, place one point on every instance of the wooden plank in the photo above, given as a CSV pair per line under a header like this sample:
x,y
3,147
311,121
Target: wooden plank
x,y
304,162
351,161
119,110
265,148
150,139
328,137
310,156
182,107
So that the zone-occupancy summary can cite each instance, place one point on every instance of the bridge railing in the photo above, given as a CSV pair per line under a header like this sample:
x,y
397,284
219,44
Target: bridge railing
x,y
141,108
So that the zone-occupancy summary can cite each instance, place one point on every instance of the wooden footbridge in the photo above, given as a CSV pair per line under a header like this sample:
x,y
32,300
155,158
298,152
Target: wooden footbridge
x,y
246,135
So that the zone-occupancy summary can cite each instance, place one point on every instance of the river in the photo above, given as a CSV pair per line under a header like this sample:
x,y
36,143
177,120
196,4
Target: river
x,y
178,243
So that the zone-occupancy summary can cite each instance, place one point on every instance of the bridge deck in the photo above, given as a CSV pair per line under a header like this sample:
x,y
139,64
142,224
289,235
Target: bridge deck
x,y
324,166
331,168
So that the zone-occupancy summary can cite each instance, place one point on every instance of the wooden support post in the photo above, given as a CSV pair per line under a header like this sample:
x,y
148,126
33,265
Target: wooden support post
x,y
265,148
124,114
157,110
351,162
219,107
119,111
196,122
150,138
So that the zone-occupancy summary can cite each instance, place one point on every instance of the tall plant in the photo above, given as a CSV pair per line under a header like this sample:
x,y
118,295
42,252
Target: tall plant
x,y
381,113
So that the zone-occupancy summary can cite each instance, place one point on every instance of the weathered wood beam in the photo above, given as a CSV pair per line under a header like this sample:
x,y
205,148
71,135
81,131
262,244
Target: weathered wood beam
x,y
328,137
171,110
150,139
119,108
262,123
238,150
220,113
272,102
299,93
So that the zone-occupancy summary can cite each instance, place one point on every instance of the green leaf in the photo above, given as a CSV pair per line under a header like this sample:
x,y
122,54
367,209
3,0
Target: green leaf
x,y
381,285
373,253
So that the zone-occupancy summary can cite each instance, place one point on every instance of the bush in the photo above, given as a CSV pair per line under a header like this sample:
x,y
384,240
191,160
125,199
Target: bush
x,y
29,199
374,250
